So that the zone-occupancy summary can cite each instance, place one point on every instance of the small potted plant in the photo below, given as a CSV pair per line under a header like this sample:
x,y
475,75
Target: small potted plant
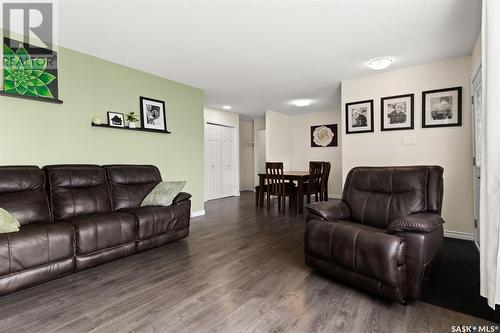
x,y
132,119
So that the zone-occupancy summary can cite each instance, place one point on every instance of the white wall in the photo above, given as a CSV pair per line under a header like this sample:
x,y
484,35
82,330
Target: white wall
x,y
246,155
476,56
259,154
278,137
301,151
449,147
230,119
288,140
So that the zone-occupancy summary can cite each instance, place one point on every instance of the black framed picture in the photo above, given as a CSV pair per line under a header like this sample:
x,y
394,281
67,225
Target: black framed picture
x,y
359,117
396,112
153,114
116,119
324,136
442,107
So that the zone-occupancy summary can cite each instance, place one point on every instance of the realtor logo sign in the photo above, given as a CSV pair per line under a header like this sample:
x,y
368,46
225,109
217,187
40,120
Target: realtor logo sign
x,y
29,58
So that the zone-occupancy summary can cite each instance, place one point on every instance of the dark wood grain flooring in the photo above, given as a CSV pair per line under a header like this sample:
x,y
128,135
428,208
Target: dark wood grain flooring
x,y
241,270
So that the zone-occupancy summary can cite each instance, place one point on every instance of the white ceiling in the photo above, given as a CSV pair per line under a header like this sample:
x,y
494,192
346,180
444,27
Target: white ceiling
x,y
258,55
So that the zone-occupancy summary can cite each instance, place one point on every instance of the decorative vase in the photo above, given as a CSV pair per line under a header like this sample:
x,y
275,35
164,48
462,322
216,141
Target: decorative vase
x,y
131,125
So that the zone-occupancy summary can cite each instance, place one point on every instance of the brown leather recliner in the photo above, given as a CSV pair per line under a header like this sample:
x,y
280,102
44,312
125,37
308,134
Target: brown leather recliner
x,y
384,234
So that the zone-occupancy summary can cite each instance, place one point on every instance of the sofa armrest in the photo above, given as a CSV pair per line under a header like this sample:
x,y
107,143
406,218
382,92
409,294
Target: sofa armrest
x,y
331,210
420,222
182,196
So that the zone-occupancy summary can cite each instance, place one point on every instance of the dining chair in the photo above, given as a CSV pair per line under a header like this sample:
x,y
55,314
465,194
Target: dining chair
x,y
275,185
313,185
323,194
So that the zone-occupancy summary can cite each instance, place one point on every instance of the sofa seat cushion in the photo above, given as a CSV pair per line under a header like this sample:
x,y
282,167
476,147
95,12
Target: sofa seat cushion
x,y
361,249
35,245
98,232
154,221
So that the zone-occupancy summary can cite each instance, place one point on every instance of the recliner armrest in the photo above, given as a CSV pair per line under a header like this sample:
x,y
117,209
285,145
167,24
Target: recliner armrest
x,y
420,222
334,209
182,196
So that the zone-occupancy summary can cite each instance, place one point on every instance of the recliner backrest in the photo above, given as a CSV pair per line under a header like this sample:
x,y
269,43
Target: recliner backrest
x,y
130,184
379,195
23,195
76,190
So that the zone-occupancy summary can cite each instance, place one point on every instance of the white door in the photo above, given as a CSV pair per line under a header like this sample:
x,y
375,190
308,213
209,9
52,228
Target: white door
x,y
219,161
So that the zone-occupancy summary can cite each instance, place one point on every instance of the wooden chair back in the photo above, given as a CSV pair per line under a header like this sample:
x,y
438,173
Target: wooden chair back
x,y
275,178
324,180
315,176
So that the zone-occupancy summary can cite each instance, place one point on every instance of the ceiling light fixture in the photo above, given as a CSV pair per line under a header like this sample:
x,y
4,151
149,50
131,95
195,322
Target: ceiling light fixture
x,y
380,63
301,102
227,107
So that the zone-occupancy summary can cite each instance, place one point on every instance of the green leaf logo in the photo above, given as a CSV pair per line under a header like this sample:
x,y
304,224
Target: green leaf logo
x,y
25,76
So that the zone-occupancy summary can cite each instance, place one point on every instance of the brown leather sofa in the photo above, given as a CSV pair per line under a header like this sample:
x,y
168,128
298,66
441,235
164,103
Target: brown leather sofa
x,y
75,217
384,235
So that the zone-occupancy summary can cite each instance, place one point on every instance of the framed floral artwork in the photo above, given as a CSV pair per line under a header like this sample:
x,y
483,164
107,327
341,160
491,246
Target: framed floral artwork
x,y
324,136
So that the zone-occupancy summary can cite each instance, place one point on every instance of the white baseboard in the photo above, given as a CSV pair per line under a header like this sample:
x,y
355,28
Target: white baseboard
x,y
334,196
198,213
459,235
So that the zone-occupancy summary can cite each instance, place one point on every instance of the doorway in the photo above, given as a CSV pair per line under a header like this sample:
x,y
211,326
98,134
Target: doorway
x,y
477,107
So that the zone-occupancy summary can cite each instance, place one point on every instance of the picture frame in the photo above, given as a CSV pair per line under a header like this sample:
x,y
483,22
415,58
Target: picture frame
x,y
153,115
442,107
397,112
116,119
359,117
324,135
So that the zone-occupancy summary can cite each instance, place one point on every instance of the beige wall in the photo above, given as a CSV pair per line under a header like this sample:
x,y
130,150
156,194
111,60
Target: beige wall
x,y
301,151
449,147
246,155
230,119
288,141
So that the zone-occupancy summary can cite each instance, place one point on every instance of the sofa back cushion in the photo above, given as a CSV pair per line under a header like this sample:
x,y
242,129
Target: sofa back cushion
x,y
76,190
379,195
22,194
130,184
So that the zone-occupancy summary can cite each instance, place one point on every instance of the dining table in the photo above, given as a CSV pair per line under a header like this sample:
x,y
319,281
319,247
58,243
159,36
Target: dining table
x,y
293,176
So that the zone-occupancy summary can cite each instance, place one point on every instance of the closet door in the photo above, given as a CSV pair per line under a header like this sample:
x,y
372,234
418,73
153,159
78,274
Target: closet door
x,y
213,162
227,158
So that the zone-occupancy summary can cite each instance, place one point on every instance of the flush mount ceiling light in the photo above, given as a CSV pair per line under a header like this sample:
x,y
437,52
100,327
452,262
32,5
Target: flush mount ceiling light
x,y
380,63
227,107
301,102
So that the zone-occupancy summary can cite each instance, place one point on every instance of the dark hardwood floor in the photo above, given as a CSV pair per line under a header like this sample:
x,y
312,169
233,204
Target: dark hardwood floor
x,y
240,270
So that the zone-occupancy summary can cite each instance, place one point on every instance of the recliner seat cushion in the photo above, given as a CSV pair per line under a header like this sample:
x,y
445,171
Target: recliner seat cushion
x,y
77,190
130,184
98,232
22,194
378,196
154,221
35,245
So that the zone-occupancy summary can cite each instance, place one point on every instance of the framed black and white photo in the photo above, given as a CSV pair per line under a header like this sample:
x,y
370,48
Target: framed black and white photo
x,y
359,117
116,119
396,112
153,115
442,107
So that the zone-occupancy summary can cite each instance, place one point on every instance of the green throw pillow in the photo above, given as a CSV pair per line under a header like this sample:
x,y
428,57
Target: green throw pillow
x,y
163,194
8,223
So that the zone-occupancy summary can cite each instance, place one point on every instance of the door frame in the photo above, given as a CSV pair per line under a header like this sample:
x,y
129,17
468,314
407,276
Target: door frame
x,y
236,158
476,165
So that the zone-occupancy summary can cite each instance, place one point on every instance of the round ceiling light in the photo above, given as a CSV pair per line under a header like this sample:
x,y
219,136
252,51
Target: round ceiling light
x,y
301,102
380,63
227,107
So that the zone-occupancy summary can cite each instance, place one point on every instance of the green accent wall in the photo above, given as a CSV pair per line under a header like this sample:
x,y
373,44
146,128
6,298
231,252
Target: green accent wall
x,y
38,133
